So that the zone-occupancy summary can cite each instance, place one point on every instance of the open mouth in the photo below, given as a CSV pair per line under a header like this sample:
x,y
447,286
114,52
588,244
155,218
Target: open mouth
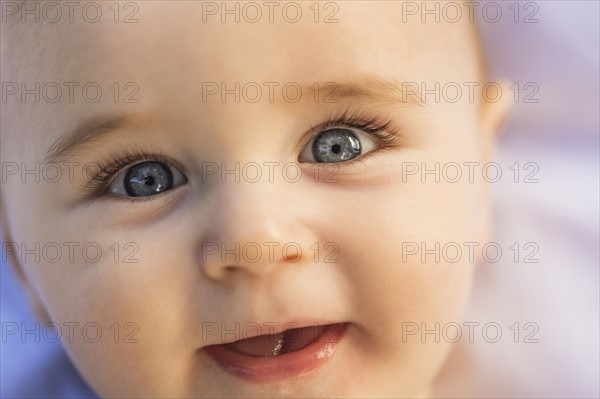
x,y
273,357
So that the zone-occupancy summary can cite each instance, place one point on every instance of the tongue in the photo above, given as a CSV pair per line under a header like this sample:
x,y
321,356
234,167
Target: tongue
x,y
298,338
275,344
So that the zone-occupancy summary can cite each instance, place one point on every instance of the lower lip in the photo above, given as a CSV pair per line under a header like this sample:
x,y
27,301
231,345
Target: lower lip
x,y
281,367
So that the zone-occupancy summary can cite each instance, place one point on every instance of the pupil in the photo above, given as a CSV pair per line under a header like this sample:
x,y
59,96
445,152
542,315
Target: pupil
x,y
149,180
336,148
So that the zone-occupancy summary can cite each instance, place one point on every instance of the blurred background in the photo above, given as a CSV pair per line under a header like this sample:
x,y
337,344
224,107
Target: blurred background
x,y
560,133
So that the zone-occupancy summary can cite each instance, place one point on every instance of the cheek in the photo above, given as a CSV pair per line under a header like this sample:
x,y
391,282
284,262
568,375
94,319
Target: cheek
x,y
406,255
122,305
394,287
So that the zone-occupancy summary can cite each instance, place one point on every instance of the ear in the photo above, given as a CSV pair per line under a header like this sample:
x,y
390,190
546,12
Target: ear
x,y
494,113
34,300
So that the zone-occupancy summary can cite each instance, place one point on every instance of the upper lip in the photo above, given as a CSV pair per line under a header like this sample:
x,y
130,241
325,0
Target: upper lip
x,y
226,333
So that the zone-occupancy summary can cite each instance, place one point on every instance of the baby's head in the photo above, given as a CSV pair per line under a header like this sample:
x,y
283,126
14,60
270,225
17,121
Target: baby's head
x,y
200,182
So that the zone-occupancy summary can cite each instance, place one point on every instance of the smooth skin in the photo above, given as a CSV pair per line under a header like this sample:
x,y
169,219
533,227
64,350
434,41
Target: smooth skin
x,y
170,294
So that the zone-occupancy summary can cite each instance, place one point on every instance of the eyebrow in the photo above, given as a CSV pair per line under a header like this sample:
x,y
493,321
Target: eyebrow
x,y
85,133
372,88
365,87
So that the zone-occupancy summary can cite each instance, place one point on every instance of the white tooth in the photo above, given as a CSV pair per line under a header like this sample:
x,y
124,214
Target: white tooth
x,y
279,345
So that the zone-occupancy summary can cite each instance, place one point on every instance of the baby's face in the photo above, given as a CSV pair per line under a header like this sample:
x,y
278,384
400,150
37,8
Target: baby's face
x,y
195,253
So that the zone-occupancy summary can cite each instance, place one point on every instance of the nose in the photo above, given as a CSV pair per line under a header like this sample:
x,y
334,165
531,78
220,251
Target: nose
x,y
253,229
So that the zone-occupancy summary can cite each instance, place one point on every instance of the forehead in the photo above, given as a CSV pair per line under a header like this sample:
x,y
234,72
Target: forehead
x,y
240,39
169,50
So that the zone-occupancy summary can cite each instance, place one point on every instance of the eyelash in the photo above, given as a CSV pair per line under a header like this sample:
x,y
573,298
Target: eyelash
x,y
382,130
108,170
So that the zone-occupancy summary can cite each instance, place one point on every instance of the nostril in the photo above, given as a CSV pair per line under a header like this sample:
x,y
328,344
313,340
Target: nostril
x,y
292,258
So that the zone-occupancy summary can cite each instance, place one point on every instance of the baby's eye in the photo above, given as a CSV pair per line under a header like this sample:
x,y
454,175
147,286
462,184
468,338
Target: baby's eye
x,y
336,145
146,179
